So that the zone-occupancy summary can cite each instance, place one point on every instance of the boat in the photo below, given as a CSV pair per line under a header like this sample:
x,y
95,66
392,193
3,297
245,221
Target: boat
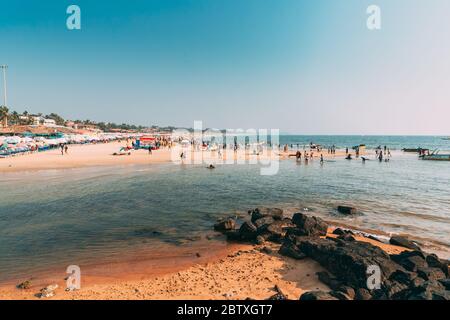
x,y
415,150
448,138
436,156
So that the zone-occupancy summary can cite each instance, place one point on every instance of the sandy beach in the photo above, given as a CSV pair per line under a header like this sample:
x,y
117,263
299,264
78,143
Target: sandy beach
x,y
238,271
101,154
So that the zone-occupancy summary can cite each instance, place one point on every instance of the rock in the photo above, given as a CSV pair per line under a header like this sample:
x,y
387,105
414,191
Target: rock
x,y
429,290
403,276
289,249
348,260
430,273
410,260
339,232
267,250
24,285
275,213
403,242
445,283
48,291
308,225
346,210
277,231
317,295
329,280
394,290
225,225
262,223
348,291
233,235
248,231
340,295
362,294
260,240
346,237
434,262
279,295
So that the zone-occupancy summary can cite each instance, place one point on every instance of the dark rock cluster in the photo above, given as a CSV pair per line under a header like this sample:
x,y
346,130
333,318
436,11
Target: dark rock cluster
x,y
352,265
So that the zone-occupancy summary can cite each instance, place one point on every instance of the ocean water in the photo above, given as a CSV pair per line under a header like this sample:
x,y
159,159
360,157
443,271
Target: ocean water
x,y
73,216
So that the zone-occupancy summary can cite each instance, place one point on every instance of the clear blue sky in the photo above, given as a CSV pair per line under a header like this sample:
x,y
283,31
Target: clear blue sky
x,y
308,67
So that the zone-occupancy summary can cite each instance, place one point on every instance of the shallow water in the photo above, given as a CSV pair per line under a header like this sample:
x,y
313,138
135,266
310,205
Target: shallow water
x,y
73,216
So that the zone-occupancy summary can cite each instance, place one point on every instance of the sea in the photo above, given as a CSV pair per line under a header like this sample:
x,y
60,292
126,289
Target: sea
x,y
53,218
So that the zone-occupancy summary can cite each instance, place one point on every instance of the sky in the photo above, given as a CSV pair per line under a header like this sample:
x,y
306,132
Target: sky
x,y
301,66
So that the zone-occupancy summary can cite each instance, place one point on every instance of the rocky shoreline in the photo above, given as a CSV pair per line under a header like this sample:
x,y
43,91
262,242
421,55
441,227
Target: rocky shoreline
x,y
356,270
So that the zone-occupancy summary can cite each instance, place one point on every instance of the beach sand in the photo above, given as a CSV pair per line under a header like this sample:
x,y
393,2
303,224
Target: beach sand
x,y
239,271
101,154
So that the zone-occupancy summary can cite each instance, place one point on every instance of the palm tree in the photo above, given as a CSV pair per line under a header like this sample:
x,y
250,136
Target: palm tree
x,y
14,118
4,115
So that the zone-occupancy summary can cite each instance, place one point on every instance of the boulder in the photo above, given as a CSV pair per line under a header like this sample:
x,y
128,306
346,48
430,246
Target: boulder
x,y
445,283
317,295
403,242
329,280
225,225
410,260
248,231
349,261
348,291
309,225
24,285
394,290
262,223
346,237
429,290
277,230
275,213
340,232
233,235
340,295
362,294
434,262
346,210
428,273
289,249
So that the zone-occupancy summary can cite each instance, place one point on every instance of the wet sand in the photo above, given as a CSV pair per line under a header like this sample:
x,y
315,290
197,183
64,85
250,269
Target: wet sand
x,y
236,271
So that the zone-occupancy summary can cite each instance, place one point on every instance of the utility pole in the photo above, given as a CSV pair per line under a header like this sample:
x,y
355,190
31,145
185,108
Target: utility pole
x,y
5,99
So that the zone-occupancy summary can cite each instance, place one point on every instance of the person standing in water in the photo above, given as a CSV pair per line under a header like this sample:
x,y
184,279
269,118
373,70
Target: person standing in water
x,y
321,158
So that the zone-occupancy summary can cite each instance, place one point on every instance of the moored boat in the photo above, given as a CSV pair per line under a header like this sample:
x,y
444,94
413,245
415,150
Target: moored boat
x,y
416,150
435,155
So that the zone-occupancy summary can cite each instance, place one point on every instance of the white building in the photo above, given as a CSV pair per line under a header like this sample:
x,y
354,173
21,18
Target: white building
x,y
49,122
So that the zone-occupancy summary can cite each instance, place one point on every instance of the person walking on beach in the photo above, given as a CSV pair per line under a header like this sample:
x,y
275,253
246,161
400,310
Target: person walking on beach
x,y
62,149
66,149
149,149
